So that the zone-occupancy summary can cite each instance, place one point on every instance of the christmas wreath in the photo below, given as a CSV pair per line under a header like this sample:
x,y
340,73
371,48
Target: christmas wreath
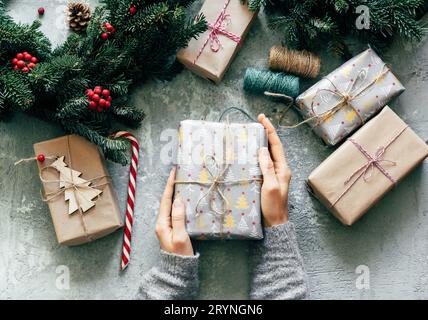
x,y
84,84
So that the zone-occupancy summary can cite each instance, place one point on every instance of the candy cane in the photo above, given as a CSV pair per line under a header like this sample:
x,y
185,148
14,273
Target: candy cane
x,y
126,251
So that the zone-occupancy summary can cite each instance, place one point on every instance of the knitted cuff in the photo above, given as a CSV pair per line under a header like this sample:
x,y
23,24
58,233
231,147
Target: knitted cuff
x,y
280,236
177,264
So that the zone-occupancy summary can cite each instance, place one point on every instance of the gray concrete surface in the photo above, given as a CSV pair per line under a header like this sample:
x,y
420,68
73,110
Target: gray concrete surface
x,y
391,240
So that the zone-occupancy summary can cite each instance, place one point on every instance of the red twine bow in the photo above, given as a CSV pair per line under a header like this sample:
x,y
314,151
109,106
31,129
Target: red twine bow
x,y
218,28
373,161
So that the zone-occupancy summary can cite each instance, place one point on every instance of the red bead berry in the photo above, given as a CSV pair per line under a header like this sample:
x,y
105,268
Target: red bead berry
x,y
132,10
19,56
31,65
14,61
99,109
20,64
102,102
90,93
113,30
96,97
108,104
104,36
15,67
109,28
98,90
27,57
92,105
34,60
41,11
106,93
25,69
41,157
109,98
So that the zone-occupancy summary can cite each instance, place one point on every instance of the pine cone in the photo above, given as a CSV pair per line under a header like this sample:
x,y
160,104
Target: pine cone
x,y
79,16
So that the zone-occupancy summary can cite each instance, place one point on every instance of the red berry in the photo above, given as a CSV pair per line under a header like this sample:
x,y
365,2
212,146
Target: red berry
x,y
106,24
27,57
107,104
34,60
104,36
109,98
24,53
109,28
132,10
19,56
99,109
41,157
113,31
98,90
92,105
20,64
15,67
96,97
14,61
102,102
90,93
31,65
106,93
41,11
25,69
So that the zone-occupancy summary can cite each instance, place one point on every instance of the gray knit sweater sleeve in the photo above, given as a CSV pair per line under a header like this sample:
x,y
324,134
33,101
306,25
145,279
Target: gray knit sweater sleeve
x,y
278,267
176,277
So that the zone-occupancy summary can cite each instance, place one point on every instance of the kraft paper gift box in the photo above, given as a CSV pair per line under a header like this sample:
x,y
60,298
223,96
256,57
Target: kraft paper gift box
x,y
363,169
346,98
210,55
210,152
82,156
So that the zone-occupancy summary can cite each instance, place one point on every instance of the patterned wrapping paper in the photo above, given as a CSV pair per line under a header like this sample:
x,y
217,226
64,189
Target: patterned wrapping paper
x,y
347,97
204,150
349,182
211,54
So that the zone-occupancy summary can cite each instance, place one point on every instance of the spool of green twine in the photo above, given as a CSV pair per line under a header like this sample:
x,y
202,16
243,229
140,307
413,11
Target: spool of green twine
x,y
261,81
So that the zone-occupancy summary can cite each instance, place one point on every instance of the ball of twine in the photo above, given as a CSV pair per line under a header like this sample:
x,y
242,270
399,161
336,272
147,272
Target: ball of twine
x,y
262,81
302,63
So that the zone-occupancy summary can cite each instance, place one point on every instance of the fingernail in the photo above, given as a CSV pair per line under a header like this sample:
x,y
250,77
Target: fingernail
x,y
178,203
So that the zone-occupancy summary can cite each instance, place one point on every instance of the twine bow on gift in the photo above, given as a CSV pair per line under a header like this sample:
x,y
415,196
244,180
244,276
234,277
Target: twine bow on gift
x,y
373,161
216,179
345,97
218,28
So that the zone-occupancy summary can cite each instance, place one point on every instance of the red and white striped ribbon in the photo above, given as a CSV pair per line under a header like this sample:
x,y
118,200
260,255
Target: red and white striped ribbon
x,y
126,251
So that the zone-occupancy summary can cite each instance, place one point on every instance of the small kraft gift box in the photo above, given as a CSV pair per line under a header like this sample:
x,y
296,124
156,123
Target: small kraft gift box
x,y
346,98
210,55
78,190
363,169
219,179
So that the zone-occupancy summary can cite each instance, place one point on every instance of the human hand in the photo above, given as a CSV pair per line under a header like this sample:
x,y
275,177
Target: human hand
x,y
170,226
276,178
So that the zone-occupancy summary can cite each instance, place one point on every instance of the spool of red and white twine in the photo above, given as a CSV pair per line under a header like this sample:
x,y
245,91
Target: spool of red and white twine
x,y
126,250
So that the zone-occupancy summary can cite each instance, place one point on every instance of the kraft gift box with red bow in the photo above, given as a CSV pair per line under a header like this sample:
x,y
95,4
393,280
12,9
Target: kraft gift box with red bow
x,y
212,52
363,169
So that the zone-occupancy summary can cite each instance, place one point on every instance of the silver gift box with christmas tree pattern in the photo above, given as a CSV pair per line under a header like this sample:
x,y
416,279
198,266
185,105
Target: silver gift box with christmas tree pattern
x,y
350,95
219,179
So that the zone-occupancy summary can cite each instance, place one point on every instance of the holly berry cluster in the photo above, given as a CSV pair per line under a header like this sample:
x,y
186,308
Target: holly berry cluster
x,y
24,62
99,98
108,29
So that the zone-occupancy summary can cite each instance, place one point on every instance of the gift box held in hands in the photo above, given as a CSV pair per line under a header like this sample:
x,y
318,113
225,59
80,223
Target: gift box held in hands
x,y
77,189
379,155
211,53
219,178
347,97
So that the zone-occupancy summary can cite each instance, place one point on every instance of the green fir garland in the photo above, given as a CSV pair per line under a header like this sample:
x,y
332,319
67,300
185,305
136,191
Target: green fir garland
x,y
142,47
313,24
